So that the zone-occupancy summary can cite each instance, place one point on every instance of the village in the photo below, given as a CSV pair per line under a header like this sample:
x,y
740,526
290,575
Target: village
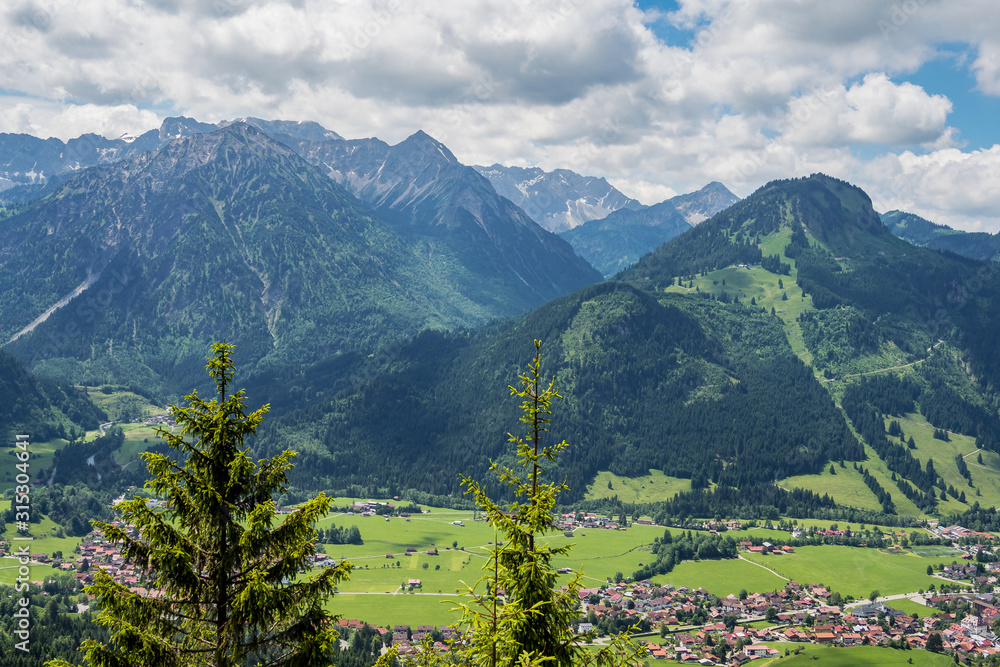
x,y
692,626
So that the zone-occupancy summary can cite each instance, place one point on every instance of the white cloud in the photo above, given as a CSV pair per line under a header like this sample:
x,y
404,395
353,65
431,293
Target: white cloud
x,y
948,186
45,119
987,68
875,111
770,88
643,191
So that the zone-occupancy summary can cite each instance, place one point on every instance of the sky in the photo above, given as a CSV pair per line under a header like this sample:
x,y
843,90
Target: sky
x,y
901,97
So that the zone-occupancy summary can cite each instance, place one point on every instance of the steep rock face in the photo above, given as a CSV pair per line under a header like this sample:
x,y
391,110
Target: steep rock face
x,y
475,241
229,234
558,200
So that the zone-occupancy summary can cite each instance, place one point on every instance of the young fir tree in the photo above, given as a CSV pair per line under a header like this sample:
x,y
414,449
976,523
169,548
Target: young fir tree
x,y
521,617
228,571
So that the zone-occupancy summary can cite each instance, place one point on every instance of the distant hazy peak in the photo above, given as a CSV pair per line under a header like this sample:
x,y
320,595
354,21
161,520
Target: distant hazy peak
x,y
557,200
702,204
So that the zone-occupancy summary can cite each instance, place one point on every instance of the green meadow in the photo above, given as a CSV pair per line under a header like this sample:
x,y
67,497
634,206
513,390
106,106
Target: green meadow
x,y
599,554
722,577
402,609
854,570
44,541
821,655
138,438
985,477
912,608
847,485
124,405
763,287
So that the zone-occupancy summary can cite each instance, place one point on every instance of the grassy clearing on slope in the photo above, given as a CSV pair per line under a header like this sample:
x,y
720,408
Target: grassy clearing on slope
x,y
763,287
846,487
853,570
124,405
652,488
944,453
138,438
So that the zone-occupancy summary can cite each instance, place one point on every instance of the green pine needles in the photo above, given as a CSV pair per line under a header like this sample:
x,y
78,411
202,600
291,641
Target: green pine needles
x,y
522,617
229,572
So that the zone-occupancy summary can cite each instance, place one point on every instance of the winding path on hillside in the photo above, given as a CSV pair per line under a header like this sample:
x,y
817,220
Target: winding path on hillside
x,y
890,368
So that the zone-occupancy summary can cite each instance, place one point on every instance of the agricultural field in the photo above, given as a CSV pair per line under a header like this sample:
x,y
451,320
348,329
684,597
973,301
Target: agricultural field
x,y
599,554
936,551
819,655
401,609
853,570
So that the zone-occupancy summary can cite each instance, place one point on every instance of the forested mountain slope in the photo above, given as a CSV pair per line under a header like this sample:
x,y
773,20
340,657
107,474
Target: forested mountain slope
x,y
41,409
724,359
922,232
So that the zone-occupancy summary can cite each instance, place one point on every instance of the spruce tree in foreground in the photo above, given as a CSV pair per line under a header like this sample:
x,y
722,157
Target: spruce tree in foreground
x,y
519,615
229,572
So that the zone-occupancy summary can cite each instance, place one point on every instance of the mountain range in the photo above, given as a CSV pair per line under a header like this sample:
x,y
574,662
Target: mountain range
x,y
383,297
608,229
232,234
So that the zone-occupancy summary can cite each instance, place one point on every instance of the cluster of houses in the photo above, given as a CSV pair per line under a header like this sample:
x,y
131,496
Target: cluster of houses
x,y
799,614
370,507
960,532
160,420
405,638
574,521
96,553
